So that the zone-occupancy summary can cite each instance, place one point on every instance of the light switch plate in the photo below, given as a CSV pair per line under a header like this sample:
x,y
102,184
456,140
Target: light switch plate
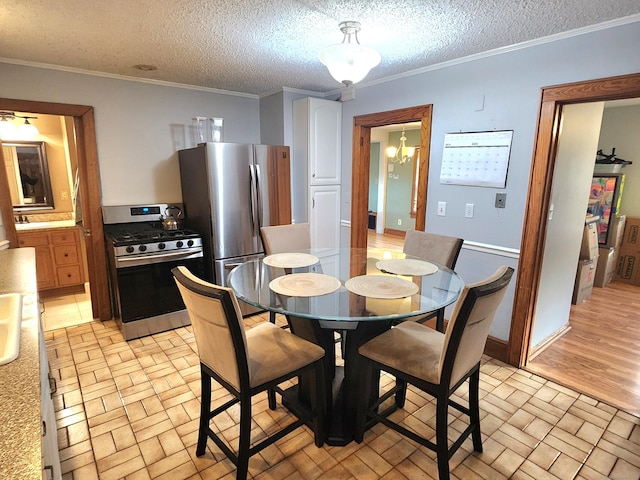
x,y
442,208
501,200
468,210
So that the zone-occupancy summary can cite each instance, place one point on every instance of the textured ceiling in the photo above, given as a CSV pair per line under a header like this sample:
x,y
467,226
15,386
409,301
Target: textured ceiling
x,y
259,46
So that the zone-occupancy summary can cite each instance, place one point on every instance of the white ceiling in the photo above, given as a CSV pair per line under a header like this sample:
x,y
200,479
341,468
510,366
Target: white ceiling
x,y
259,46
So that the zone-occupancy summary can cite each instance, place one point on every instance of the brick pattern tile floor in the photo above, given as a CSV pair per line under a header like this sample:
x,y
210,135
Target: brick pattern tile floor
x,y
129,410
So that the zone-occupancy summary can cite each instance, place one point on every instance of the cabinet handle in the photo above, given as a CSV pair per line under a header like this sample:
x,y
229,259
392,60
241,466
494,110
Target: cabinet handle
x,y
313,175
313,203
53,385
44,428
49,469
68,275
66,254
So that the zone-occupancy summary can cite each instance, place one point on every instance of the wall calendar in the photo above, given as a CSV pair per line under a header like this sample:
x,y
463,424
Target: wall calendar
x,y
478,159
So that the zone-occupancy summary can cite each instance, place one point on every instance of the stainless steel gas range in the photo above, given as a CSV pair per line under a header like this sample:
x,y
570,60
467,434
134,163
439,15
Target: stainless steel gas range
x,y
141,253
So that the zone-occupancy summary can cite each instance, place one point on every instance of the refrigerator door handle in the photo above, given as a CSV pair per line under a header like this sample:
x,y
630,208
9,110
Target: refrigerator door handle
x,y
258,194
252,201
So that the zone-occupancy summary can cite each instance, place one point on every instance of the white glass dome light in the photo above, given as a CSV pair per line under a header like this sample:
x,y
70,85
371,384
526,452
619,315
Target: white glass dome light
x,y
349,62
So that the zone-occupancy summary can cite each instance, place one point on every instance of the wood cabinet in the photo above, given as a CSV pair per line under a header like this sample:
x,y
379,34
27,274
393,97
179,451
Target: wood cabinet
x,y
317,167
324,216
58,256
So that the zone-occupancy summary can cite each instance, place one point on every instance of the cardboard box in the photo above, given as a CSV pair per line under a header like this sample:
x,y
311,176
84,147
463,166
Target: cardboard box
x,y
617,230
584,280
606,266
631,233
628,267
589,247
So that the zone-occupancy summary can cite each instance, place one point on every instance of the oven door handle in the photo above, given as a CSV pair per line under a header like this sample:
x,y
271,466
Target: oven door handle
x,y
122,261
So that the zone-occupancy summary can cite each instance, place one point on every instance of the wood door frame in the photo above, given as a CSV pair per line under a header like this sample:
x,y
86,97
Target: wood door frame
x,y
362,125
534,229
89,173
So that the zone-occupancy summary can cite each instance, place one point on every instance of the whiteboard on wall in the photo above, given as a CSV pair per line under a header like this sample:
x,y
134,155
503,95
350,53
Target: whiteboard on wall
x,y
478,159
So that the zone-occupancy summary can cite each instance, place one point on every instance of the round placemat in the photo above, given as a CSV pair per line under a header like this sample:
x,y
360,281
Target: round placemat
x,y
290,260
407,266
304,284
381,286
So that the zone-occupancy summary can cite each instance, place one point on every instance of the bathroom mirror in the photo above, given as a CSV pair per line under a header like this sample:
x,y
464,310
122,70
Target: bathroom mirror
x,y
28,175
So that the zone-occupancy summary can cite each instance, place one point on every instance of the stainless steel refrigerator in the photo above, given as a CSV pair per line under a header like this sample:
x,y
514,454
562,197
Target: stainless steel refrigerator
x,y
230,190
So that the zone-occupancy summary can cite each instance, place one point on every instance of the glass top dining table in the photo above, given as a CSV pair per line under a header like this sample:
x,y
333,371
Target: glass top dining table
x,y
357,292
381,290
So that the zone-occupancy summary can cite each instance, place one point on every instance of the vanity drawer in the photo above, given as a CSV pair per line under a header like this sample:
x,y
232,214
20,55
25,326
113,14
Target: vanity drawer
x,y
33,240
69,275
66,254
67,236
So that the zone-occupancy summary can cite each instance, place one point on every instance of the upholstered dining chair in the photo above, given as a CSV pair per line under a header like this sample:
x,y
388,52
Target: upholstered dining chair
x,y
283,239
441,249
245,363
436,363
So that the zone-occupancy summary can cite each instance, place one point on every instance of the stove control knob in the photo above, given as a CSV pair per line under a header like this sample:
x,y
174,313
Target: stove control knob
x,y
142,248
130,249
161,246
179,244
189,243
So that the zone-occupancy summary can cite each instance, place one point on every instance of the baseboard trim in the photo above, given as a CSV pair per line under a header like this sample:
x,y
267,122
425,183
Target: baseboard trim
x,y
542,346
498,349
394,232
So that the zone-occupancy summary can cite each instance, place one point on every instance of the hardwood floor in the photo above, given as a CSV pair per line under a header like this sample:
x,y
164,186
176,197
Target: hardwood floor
x,y
600,355
389,242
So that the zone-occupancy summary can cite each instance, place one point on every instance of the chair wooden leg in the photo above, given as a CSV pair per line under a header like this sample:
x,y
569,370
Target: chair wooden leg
x,y
401,394
205,408
272,317
442,442
244,441
320,404
474,410
271,398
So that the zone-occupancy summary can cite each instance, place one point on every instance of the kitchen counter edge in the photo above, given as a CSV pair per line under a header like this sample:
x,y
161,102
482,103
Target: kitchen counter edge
x,y
20,400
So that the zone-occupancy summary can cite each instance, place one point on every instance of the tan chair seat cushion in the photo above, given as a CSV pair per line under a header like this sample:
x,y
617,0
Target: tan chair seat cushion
x,y
408,347
273,352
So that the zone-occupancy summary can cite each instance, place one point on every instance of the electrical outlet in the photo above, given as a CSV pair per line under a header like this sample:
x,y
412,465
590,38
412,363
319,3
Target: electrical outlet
x,y
399,221
501,200
468,210
442,208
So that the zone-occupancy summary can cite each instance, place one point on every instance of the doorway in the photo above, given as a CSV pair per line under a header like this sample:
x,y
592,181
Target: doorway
x,y
540,182
362,126
89,192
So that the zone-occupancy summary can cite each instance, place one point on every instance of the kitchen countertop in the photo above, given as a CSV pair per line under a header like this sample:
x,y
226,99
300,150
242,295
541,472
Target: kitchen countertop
x,y
20,409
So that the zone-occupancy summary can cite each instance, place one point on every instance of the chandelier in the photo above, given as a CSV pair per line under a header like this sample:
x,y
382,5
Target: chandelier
x,y
10,131
349,62
401,154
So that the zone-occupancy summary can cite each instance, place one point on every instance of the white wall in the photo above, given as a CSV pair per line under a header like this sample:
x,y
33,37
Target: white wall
x,y
497,92
579,132
621,130
139,126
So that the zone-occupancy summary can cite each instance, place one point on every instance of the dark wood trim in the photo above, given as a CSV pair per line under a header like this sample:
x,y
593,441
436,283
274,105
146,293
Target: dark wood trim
x,y
362,126
90,193
496,348
395,233
540,182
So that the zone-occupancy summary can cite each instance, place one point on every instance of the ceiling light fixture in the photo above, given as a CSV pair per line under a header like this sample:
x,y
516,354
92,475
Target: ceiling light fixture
x,y
9,130
402,154
349,62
